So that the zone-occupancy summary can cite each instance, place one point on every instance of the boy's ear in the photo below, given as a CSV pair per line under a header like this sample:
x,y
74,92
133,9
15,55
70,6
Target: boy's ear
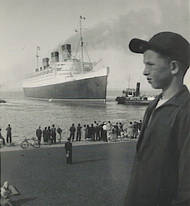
x,y
174,67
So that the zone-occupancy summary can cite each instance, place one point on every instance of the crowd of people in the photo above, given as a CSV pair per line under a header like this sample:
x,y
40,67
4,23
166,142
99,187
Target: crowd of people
x,y
49,134
97,131
105,131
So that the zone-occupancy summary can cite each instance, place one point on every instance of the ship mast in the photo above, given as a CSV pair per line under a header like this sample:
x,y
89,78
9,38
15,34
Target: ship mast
x,y
129,81
37,57
82,43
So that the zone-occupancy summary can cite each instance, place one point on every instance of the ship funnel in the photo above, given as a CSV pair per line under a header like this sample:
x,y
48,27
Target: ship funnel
x,y
55,56
137,93
66,51
45,62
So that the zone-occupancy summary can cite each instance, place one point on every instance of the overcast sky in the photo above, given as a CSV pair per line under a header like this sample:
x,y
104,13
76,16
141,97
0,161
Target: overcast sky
x,y
108,28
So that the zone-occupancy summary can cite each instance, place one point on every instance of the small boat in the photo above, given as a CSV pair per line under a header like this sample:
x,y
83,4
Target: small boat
x,y
132,97
2,101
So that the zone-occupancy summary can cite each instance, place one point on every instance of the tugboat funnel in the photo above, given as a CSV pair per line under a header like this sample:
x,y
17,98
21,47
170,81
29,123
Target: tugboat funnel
x,y
137,89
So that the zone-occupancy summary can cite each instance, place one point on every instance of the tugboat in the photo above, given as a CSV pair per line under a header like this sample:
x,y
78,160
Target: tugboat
x,y
132,97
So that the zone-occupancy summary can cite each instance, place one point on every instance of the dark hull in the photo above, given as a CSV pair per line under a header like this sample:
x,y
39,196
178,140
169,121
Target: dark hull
x,y
123,100
135,102
91,88
2,101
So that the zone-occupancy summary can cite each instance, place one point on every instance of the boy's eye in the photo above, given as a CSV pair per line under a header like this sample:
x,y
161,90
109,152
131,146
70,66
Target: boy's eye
x,y
149,64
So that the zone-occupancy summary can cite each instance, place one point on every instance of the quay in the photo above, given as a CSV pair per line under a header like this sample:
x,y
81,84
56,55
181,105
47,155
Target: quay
x,y
99,174
16,145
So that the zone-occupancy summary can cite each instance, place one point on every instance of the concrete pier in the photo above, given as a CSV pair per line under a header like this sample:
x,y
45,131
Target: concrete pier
x,y
98,176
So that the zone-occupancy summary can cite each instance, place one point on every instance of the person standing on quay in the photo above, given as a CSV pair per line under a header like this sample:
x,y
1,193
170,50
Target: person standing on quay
x,y
104,134
39,134
135,129
2,138
78,138
72,132
68,150
49,136
130,130
9,134
85,132
59,131
161,170
109,129
45,135
92,132
97,132
53,134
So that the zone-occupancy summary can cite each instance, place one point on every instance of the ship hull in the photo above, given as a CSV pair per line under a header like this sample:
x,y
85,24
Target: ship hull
x,y
135,102
89,88
123,100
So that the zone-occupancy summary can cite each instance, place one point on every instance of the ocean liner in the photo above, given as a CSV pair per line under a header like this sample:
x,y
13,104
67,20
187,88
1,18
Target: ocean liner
x,y
64,77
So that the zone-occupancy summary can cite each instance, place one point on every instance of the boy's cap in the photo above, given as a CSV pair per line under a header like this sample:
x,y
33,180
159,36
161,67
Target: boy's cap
x,y
170,44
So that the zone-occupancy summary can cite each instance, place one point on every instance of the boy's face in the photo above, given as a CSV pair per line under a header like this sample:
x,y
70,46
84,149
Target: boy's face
x,y
157,70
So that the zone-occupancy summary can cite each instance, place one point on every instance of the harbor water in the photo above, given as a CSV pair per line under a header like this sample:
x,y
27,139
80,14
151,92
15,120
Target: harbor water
x,y
25,115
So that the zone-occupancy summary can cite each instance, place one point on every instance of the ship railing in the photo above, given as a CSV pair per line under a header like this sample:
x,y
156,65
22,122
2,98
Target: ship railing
x,y
46,71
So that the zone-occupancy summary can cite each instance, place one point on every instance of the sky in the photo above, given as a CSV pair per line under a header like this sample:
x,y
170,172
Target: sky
x,y
107,30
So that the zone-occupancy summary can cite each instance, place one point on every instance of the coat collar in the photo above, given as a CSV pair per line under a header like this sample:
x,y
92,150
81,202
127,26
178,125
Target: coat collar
x,y
178,99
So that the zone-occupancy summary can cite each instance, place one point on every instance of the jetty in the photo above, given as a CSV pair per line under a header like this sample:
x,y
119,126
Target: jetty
x,y
43,177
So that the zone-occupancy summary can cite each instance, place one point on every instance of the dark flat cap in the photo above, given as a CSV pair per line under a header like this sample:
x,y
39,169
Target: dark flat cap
x,y
167,43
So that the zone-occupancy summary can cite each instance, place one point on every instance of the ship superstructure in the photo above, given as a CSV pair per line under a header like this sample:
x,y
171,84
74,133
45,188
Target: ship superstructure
x,y
66,77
